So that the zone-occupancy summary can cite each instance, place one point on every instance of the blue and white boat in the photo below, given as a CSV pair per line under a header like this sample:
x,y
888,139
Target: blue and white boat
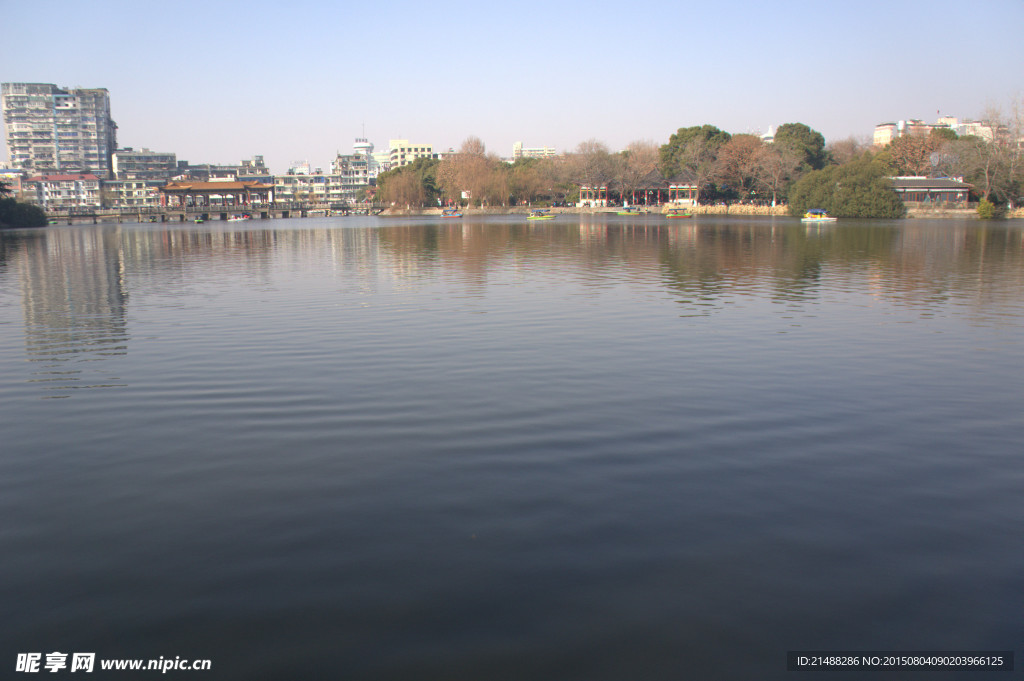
x,y
817,215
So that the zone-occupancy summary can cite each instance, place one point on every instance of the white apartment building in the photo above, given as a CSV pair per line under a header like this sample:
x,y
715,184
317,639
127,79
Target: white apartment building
x,y
51,192
134,193
302,188
519,151
351,173
404,152
143,164
56,130
887,132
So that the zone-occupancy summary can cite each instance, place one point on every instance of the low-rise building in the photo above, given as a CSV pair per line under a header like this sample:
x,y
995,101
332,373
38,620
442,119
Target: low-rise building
x,y
302,188
931,190
248,169
143,164
55,192
884,133
887,132
12,177
519,151
134,193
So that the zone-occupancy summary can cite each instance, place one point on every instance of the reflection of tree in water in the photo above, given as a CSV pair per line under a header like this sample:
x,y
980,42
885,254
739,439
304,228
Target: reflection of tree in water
x,y
920,263
712,261
13,242
74,299
720,261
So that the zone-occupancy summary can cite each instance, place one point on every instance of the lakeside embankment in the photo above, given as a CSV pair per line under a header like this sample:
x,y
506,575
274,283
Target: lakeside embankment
x,y
735,209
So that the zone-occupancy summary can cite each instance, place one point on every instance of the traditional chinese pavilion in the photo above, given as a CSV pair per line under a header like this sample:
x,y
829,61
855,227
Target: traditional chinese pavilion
x,y
216,194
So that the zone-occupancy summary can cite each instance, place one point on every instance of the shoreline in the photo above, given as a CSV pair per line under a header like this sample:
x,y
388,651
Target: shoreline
x,y
913,212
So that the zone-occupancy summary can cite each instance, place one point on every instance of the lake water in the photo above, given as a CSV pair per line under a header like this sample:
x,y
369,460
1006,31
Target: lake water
x,y
590,448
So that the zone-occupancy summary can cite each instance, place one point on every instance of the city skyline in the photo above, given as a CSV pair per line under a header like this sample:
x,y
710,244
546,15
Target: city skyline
x,y
216,83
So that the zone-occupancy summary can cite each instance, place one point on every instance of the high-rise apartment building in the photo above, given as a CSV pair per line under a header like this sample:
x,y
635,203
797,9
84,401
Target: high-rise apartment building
x,y
56,130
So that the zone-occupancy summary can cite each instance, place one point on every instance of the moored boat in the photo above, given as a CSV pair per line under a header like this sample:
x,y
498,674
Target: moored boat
x,y
540,214
451,213
239,218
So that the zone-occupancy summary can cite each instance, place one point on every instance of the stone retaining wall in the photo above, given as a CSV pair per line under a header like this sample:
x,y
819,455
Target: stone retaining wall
x,y
735,209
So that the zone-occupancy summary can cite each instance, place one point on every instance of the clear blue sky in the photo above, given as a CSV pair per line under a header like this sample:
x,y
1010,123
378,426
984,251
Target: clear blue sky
x,y
217,81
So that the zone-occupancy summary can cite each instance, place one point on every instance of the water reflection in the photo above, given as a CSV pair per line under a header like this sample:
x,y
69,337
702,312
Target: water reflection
x,y
75,283
74,301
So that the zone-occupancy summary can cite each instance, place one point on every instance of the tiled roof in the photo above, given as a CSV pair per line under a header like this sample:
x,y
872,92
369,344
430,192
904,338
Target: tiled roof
x,y
213,186
62,178
928,183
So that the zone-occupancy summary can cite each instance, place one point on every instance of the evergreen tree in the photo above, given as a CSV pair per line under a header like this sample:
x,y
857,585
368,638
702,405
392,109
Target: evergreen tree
x,y
810,144
16,214
859,189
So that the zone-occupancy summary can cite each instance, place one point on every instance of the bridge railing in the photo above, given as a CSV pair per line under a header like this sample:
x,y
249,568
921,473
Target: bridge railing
x,y
90,211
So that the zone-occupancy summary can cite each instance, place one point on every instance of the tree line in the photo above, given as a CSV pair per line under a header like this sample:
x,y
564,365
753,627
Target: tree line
x,y
726,168
797,168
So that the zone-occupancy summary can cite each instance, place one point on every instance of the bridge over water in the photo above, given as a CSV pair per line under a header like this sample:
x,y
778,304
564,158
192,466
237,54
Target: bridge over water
x,y
191,213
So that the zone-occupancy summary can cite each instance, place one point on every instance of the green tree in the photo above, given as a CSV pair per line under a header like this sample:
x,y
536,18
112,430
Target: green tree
x,y
414,185
691,154
943,135
859,189
673,156
17,214
810,144
986,209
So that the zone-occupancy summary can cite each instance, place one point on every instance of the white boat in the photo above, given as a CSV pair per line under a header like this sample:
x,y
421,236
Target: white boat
x,y
239,218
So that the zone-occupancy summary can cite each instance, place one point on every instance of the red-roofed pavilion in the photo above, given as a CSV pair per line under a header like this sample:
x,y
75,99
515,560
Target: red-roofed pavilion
x,y
216,194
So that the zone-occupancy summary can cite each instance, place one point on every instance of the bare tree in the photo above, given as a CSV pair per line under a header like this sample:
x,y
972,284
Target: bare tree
x,y
526,180
912,154
591,164
844,151
468,171
778,164
403,189
993,165
472,146
697,161
638,167
738,162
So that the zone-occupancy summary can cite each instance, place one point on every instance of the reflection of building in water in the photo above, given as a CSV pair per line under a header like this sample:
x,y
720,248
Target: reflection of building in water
x,y
74,300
